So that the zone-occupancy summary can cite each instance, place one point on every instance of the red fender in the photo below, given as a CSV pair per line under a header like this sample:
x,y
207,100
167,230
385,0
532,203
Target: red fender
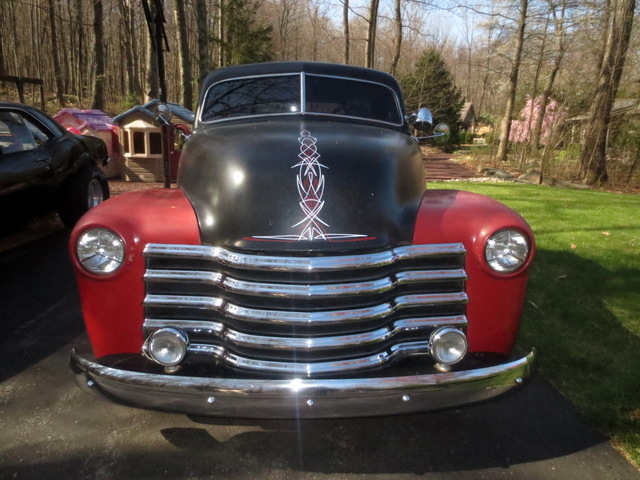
x,y
112,305
495,300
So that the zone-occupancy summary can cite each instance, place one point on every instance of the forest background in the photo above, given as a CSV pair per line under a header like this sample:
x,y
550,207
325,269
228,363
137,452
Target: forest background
x,y
556,82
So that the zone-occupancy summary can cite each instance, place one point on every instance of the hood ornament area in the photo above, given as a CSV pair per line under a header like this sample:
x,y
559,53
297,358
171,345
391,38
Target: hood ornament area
x,y
310,182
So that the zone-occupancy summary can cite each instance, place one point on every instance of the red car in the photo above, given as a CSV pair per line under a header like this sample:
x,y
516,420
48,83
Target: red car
x,y
300,269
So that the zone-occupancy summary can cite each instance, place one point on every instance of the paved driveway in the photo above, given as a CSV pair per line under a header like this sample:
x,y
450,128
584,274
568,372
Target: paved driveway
x,y
51,429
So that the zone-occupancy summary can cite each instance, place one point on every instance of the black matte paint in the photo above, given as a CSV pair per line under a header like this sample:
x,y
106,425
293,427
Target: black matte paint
x,y
241,180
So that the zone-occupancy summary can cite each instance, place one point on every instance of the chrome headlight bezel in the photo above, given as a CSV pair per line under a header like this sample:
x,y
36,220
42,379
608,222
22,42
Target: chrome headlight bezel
x,y
167,346
100,251
448,345
507,251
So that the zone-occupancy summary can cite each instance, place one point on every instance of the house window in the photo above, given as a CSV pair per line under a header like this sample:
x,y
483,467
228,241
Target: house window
x,y
155,143
125,139
138,143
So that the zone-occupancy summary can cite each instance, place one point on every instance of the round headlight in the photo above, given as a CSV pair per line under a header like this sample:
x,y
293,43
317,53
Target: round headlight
x,y
100,251
167,346
448,345
506,250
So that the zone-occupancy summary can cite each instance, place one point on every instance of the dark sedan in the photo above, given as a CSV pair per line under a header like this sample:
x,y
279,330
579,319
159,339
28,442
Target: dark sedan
x,y
44,167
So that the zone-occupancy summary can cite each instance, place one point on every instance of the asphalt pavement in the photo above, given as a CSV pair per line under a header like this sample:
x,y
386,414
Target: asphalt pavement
x,y
50,429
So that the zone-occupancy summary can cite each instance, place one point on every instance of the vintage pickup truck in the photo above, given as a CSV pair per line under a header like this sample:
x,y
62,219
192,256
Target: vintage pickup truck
x,y
300,269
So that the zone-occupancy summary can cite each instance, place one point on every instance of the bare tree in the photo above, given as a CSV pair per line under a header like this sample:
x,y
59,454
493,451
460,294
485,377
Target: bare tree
x,y
593,159
371,34
345,30
398,37
505,126
56,61
203,39
98,97
183,52
558,12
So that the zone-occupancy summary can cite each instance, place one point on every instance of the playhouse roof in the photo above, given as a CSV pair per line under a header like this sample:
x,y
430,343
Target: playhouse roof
x,y
147,110
94,119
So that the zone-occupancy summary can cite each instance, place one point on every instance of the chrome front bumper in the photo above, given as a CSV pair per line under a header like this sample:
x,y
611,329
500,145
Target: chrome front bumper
x,y
300,398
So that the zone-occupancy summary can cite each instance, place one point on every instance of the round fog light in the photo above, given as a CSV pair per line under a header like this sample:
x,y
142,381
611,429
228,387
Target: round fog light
x,y
167,346
448,345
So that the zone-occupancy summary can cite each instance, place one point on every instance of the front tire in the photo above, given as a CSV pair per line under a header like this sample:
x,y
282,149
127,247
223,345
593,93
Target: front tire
x,y
81,192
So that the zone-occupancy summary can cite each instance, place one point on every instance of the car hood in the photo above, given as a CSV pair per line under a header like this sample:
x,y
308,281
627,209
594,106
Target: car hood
x,y
303,185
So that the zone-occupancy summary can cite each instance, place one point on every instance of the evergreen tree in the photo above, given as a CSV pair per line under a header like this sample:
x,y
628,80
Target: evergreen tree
x,y
246,40
431,85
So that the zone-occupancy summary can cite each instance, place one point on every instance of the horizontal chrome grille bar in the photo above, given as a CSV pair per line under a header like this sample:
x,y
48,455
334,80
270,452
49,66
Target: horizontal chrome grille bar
x,y
304,318
311,315
309,344
302,264
231,284
394,353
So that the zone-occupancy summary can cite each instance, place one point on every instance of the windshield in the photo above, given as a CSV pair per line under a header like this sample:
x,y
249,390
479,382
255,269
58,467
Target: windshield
x,y
276,95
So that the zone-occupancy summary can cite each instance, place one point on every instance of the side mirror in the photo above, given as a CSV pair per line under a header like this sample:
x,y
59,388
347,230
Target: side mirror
x,y
163,113
441,133
164,117
422,121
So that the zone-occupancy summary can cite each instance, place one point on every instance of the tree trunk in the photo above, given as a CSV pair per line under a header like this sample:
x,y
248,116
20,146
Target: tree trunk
x,y
398,40
505,127
56,59
136,57
98,29
345,30
548,90
371,34
203,39
129,52
593,159
183,52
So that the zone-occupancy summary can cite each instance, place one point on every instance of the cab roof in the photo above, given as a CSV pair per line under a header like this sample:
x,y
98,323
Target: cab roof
x,y
317,68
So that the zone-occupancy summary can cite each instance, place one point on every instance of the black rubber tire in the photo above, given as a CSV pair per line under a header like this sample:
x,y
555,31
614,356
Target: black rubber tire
x,y
80,192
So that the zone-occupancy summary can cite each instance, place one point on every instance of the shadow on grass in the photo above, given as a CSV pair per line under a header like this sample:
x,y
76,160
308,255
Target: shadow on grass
x,y
581,317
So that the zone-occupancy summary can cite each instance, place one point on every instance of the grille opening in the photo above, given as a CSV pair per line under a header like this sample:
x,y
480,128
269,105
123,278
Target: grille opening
x,y
209,292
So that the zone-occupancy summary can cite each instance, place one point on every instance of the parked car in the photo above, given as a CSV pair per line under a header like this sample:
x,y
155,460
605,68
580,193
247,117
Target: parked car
x,y
300,269
44,167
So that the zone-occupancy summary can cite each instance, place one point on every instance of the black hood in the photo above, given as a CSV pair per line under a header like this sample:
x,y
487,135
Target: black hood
x,y
302,185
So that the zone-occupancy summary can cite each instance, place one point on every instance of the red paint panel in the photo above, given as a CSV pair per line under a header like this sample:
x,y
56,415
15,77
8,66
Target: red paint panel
x,y
495,300
112,305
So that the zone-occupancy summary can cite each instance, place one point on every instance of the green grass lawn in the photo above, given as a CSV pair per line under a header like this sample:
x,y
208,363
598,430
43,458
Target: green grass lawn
x,y
583,304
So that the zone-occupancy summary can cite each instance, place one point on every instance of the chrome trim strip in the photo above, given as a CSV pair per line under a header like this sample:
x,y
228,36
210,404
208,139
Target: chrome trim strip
x,y
395,352
231,284
296,397
304,318
309,344
302,264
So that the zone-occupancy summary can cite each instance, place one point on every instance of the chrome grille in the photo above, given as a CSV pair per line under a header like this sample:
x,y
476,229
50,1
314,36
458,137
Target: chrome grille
x,y
308,315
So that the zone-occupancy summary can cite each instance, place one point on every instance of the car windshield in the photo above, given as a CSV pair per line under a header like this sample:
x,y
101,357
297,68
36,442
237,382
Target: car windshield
x,y
282,94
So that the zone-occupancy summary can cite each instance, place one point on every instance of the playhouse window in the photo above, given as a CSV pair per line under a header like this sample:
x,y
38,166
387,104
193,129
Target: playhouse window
x,y
155,143
138,143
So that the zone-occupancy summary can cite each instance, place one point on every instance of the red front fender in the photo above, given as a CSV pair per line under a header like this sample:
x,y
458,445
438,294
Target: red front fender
x,y
495,300
113,305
